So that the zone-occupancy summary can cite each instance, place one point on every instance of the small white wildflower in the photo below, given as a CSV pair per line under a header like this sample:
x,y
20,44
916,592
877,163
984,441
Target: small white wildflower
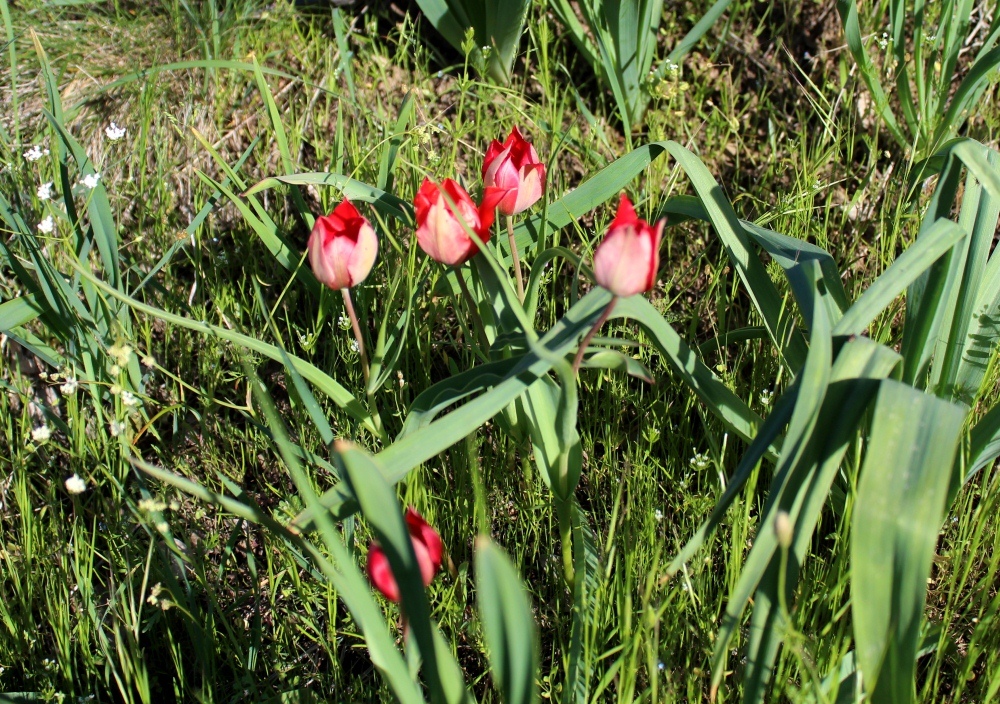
x,y
44,191
699,461
117,428
69,388
90,180
354,346
115,389
151,505
766,396
41,433
149,361
121,353
658,514
115,370
76,485
35,153
129,399
162,526
47,225
343,322
114,132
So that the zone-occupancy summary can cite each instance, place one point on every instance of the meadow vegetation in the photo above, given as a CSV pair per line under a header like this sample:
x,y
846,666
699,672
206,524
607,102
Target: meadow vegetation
x,y
161,329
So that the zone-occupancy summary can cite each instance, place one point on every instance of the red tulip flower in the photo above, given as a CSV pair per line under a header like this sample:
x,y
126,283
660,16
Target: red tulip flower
x,y
342,247
514,166
426,545
441,229
626,262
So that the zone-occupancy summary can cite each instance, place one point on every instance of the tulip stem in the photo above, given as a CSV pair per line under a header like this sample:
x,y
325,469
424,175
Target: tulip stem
x,y
515,257
585,342
357,332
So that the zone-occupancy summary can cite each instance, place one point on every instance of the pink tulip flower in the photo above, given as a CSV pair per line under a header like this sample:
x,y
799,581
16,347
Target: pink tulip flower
x,y
626,262
514,166
441,230
426,545
342,247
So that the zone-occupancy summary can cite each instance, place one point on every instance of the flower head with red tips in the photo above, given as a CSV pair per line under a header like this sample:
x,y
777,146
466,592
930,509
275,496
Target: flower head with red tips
x,y
628,258
514,166
443,226
342,247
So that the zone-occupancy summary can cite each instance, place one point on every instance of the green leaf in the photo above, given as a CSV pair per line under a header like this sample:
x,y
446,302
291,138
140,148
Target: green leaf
x,y
960,355
597,190
936,241
511,634
848,10
384,202
737,416
897,514
432,438
387,164
18,311
759,286
346,578
813,380
587,581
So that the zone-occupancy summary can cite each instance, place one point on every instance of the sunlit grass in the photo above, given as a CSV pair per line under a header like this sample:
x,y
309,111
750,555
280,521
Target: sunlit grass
x,y
131,591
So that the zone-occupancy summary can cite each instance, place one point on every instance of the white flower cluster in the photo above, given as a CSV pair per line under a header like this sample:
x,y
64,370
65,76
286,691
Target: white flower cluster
x,y
76,485
114,132
35,153
47,225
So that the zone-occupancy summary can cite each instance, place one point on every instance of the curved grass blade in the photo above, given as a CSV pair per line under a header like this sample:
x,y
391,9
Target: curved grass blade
x,y
848,10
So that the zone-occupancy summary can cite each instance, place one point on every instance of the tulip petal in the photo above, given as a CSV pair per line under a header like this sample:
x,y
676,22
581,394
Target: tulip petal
x,y
380,574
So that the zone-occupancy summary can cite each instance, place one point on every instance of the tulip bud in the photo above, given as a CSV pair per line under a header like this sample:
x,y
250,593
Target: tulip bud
x,y
515,167
426,545
783,529
441,228
342,247
626,262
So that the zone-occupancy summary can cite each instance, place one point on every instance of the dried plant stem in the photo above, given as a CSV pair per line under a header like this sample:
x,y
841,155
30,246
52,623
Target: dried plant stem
x,y
585,342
